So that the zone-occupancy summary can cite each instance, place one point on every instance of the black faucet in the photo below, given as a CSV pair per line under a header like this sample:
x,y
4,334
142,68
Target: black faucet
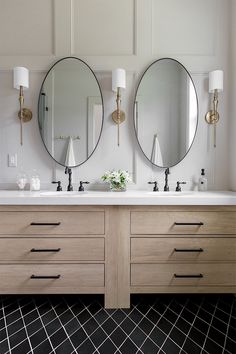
x,y
155,188
59,187
178,188
69,172
166,187
81,187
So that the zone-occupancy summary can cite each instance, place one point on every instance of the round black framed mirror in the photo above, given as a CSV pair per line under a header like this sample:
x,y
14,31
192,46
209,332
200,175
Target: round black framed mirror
x,y
70,112
166,112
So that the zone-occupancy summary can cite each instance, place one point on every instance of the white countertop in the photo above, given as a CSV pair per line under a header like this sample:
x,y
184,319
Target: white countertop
x,y
117,198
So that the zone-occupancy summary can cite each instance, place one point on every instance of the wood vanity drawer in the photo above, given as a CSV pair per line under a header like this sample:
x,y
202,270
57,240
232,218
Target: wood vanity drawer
x,y
68,278
52,222
183,274
150,249
183,222
52,249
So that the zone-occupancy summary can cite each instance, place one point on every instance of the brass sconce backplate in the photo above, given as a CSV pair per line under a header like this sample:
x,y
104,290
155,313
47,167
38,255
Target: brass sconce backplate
x,y
26,115
116,119
212,117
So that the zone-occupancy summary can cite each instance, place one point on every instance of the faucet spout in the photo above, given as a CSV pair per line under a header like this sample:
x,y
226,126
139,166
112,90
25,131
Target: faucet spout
x,y
166,187
69,172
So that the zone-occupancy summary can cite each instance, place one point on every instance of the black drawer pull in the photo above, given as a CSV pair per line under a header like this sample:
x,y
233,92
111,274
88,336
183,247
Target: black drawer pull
x,y
45,250
45,276
45,223
188,275
189,223
188,250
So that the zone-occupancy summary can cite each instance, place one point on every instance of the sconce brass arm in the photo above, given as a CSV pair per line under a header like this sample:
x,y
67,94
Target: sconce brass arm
x,y
118,116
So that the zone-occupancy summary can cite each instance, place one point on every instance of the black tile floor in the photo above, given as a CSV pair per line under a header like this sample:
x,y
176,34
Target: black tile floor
x,y
154,324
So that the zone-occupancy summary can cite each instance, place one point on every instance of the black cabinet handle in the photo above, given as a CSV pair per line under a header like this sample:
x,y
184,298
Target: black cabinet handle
x,y
45,223
188,250
45,276
188,275
189,223
45,250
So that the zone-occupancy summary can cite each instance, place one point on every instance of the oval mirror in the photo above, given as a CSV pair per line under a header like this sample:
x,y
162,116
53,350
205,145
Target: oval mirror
x,y
166,112
70,112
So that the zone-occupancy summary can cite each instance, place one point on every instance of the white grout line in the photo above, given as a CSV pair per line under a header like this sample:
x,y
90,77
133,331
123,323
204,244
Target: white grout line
x,y
226,334
26,331
29,322
43,324
117,325
187,335
99,326
62,326
20,318
168,336
6,327
210,325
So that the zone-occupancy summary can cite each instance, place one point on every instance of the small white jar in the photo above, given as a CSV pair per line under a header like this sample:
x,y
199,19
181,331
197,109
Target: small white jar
x,y
35,182
21,180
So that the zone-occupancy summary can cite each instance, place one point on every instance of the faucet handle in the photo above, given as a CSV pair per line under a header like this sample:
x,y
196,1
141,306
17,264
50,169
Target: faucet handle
x,y
81,187
178,188
59,187
155,188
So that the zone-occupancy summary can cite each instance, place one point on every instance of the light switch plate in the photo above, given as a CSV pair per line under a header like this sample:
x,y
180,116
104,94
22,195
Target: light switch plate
x,y
12,160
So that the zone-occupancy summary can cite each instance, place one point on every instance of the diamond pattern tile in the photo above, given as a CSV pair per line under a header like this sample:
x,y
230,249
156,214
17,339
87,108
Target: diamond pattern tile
x,y
155,324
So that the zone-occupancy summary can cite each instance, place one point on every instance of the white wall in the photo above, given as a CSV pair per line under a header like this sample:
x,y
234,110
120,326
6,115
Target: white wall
x,y
125,33
232,96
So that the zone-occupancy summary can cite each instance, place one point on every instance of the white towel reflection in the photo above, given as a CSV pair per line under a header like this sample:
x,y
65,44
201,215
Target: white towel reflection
x,y
156,156
70,156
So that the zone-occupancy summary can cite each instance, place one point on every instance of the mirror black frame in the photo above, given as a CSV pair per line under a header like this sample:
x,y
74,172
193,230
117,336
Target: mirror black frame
x,y
58,61
136,91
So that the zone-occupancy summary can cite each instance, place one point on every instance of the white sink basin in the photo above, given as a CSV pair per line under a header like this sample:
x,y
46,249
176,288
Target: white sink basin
x,y
62,194
170,194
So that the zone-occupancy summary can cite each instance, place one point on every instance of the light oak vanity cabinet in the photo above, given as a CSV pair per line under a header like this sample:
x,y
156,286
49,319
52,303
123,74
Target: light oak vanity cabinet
x,y
117,250
52,250
182,249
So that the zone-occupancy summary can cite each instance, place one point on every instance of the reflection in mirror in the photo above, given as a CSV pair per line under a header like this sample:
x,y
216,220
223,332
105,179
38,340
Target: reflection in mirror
x,y
70,112
166,112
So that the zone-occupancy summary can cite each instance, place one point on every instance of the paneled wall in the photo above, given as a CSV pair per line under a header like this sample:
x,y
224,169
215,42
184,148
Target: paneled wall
x,y
232,96
109,34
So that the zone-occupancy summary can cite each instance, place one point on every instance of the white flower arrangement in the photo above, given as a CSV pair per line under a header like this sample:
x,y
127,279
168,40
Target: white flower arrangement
x,y
117,179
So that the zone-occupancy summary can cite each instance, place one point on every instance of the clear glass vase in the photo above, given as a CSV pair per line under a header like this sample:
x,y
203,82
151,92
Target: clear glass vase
x,y
117,187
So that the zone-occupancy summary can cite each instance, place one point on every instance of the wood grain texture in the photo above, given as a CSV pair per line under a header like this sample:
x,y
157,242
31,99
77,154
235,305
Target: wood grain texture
x,y
163,274
124,258
153,250
79,277
71,249
111,258
71,223
156,222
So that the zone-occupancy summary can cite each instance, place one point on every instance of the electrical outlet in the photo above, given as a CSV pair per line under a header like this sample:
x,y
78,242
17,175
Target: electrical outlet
x,y
12,160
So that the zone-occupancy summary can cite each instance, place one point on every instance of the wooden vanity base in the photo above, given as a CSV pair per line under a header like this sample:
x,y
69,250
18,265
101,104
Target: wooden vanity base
x,y
117,250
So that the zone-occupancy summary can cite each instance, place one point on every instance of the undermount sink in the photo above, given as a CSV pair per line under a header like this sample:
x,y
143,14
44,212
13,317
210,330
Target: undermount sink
x,y
62,194
170,194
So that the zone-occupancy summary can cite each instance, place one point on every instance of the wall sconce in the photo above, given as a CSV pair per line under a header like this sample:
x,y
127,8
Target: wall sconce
x,y
215,86
21,82
118,83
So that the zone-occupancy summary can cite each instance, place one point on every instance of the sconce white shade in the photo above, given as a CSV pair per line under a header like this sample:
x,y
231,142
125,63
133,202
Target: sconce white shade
x,y
118,79
20,77
216,81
